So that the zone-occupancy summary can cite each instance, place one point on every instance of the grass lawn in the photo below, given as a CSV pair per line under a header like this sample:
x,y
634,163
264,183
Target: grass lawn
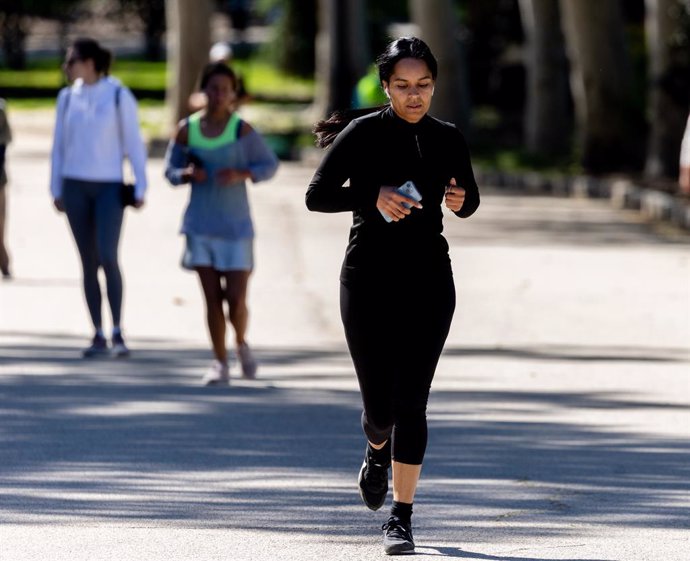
x,y
261,79
286,123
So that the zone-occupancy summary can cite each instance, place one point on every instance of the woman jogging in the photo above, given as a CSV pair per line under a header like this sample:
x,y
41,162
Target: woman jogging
x,y
397,294
217,152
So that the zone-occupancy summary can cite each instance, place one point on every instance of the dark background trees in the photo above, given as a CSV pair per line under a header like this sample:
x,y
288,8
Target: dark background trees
x,y
151,14
667,28
600,85
15,23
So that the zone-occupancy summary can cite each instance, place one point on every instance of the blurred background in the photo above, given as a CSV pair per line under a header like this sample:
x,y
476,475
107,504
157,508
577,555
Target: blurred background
x,y
599,87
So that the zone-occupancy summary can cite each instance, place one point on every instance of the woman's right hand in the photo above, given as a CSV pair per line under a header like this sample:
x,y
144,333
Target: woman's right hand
x,y
684,180
59,205
390,201
195,174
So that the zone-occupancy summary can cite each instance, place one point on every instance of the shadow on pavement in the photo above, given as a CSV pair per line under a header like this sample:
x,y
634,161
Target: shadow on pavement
x,y
138,439
576,353
464,554
521,219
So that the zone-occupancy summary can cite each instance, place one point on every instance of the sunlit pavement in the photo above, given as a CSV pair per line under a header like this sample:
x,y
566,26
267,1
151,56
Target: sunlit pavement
x,y
558,421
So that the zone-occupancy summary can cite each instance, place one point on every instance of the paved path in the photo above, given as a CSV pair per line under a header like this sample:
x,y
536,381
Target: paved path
x,y
559,418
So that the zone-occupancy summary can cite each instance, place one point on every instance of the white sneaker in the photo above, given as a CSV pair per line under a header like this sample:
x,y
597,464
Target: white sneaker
x,y
217,375
247,362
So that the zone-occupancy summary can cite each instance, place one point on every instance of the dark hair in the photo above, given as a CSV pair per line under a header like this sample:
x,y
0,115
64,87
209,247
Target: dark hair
x,y
326,130
87,48
405,47
217,69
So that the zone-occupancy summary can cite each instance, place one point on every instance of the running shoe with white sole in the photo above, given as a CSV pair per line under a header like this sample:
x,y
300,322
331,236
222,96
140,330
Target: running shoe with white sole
x,y
98,348
397,537
217,375
247,361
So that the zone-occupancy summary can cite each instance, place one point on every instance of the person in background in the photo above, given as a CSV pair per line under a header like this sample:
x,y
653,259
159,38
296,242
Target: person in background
x,y
684,176
220,52
368,91
96,128
217,153
397,294
5,139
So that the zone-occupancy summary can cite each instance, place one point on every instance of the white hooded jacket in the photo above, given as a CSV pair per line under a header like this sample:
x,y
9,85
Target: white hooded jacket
x,y
94,132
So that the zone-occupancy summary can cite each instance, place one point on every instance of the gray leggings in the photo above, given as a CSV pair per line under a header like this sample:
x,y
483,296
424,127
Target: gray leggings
x,y
95,213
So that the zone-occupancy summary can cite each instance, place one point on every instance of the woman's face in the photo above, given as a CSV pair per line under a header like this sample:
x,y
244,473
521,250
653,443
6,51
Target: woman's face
x,y
220,92
76,67
410,89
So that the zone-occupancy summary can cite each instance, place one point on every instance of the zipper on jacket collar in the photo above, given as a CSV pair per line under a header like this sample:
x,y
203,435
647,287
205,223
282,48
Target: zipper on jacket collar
x,y
419,149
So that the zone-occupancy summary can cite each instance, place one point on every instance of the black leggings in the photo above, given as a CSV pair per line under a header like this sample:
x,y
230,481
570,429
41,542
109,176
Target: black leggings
x,y
395,333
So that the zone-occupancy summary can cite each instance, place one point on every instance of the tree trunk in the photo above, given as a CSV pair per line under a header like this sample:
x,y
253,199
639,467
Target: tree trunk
x,y
341,54
189,29
14,32
293,37
547,119
152,14
439,29
610,131
667,110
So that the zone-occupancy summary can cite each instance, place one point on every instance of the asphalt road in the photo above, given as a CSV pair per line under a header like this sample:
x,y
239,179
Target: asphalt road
x,y
559,416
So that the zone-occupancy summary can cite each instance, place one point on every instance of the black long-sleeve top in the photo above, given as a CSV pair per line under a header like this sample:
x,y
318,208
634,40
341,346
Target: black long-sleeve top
x,y
382,149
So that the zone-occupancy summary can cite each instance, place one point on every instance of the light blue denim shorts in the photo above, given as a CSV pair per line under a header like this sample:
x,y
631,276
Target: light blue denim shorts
x,y
218,253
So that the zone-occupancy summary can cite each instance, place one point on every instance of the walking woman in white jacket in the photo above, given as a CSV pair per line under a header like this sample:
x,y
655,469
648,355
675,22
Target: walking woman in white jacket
x,y
96,128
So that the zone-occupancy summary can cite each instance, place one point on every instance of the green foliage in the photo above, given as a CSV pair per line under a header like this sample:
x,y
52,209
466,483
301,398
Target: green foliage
x,y
140,74
261,79
33,77
30,103
519,160
46,73
494,144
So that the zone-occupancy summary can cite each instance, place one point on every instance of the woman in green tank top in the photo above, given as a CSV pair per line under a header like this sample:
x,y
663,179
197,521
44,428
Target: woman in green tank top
x,y
217,152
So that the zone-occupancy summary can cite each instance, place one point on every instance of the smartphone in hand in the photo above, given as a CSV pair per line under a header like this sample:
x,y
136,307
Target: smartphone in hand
x,y
408,189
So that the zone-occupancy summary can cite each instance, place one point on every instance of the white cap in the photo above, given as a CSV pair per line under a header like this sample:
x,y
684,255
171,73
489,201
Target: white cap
x,y
220,51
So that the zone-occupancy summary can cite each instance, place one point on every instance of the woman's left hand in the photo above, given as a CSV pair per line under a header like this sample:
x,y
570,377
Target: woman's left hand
x,y
455,196
138,203
230,176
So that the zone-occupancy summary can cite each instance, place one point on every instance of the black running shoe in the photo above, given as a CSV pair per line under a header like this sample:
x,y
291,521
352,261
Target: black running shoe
x,y
397,537
373,482
98,347
119,348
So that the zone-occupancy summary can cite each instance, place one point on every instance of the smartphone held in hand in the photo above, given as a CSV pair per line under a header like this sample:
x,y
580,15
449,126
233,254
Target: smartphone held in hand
x,y
409,190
